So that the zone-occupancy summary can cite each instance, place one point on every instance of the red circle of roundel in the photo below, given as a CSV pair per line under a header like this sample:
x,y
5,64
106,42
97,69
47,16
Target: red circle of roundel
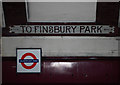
x,y
33,56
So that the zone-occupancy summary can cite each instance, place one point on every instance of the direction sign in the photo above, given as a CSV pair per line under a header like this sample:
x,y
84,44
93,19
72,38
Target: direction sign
x,y
62,29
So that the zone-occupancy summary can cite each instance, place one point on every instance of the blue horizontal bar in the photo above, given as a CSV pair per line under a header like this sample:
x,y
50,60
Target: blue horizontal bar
x,y
28,60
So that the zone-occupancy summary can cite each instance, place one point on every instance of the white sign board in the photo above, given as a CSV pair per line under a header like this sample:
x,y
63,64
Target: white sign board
x,y
61,11
28,60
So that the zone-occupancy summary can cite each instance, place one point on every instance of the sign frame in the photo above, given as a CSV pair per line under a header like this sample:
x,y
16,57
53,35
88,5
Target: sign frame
x,y
39,61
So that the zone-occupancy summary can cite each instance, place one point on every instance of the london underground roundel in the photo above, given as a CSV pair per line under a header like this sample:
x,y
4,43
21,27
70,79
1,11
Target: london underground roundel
x,y
28,60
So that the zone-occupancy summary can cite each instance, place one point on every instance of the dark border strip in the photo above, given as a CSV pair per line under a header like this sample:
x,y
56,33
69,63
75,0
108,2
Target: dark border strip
x,y
119,20
61,83
15,13
107,13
